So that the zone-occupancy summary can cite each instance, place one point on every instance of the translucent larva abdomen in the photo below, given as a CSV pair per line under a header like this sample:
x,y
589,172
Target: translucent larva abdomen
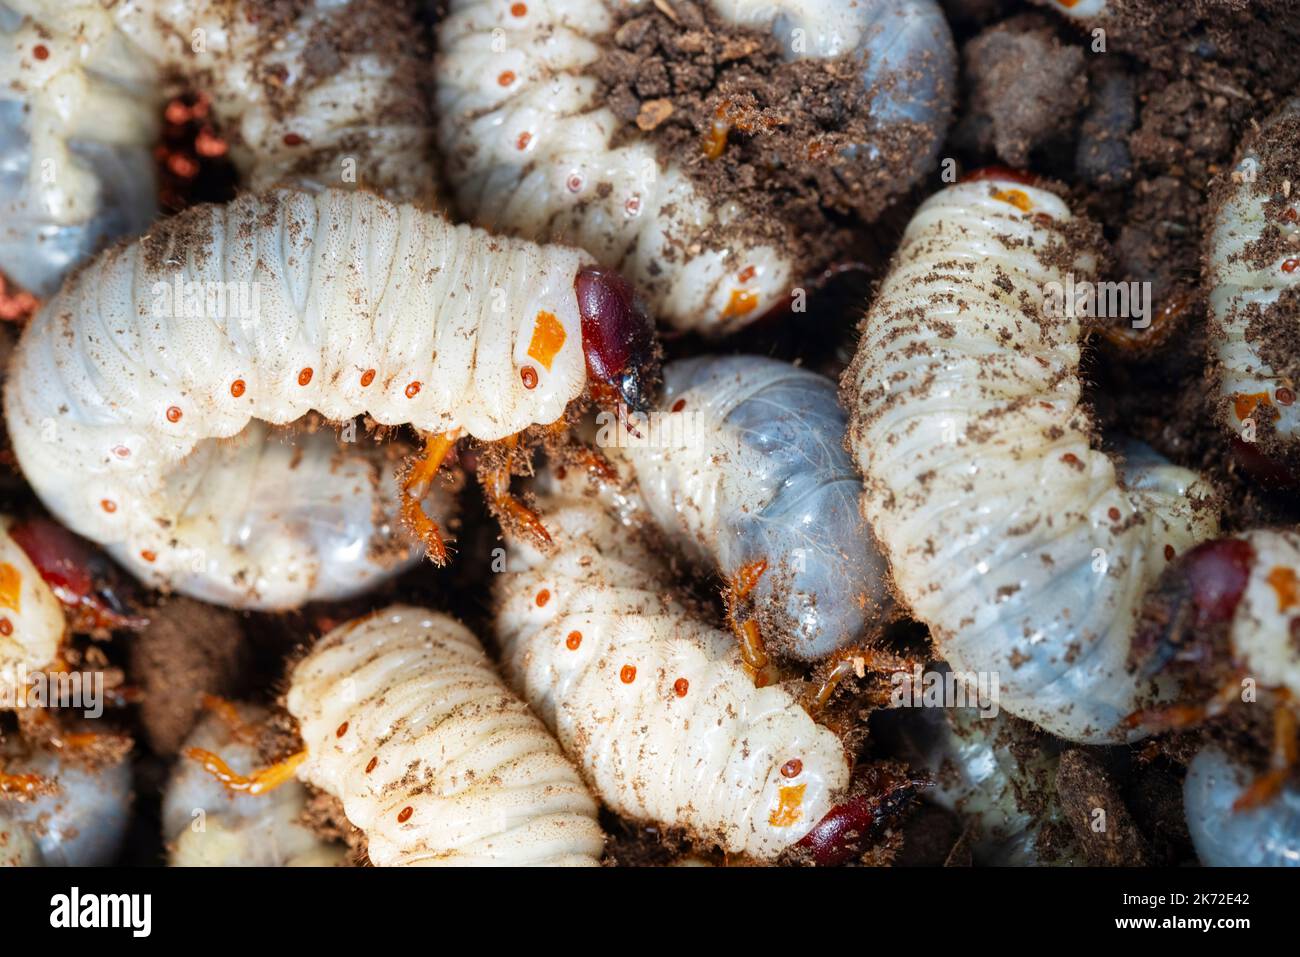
x,y
755,471
264,309
1008,532
207,825
654,704
529,141
406,722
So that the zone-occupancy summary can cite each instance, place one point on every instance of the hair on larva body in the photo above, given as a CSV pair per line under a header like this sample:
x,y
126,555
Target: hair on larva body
x,y
360,306
335,100
528,140
406,722
653,703
1007,532
761,476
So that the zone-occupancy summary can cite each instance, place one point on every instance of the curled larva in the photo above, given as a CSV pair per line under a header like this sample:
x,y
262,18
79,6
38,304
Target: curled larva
x,y
1224,836
653,703
1254,276
529,142
77,818
994,771
745,467
208,825
336,301
335,100
31,618
1007,531
407,723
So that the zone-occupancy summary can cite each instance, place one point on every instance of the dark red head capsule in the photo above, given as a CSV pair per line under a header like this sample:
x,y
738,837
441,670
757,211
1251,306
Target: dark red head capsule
x,y
81,576
881,793
1002,173
617,338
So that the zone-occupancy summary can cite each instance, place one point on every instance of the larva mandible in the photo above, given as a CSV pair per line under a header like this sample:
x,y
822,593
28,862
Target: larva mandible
x,y
653,703
1008,532
1224,836
335,100
406,722
528,142
80,821
761,483
1253,270
208,825
115,399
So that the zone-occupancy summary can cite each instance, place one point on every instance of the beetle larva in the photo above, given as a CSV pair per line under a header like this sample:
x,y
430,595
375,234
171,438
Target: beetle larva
x,y
208,825
653,703
82,86
759,479
31,619
336,301
1008,532
1225,836
1254,276
529,141
407,723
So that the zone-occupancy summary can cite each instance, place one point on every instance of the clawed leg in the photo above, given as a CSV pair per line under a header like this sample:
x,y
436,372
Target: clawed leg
x,y
508,509
230,717
856,661
753,651
1284,757
1178,716
24,785
259,782
416,486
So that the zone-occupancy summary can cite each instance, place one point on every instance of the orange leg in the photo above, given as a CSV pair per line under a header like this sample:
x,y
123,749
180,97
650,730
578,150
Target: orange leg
x,y
229,716
259,782
1163,323
24,785
1284,758
753,651
507,508
1177,716
852,661
416,486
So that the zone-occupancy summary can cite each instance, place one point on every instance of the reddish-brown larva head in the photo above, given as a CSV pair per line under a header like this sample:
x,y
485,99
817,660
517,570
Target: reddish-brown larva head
x,y
617,338
1185,613
1002,173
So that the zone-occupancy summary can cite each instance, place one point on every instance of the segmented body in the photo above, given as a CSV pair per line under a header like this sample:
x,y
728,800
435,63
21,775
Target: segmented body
x,y
117,390
1267,836
407,723
1007,531
759,474
335,100
208,825
530,143
652,702
1254,276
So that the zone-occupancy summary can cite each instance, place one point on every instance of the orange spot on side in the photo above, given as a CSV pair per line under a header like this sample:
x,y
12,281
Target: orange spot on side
x,y
11,587
1291,265
41,51
792,768
237,388
149,556
108,505
746,274
173,414
789,806
367,377
506,77
404,814
6,627
524,139
373,763
573,641
543,597
518,9
628,674
1283,581
680,687
304,376
341,730
413,390
742,302
1016,197
548,339
1244,404
529,376
679,405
